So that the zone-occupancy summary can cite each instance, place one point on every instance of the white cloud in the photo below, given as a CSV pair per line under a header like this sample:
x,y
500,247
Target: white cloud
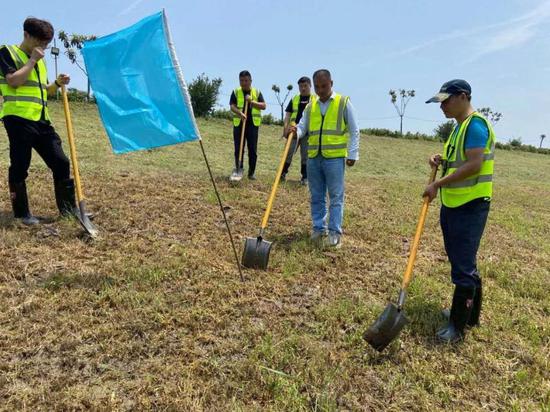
x,y
494,37
130,7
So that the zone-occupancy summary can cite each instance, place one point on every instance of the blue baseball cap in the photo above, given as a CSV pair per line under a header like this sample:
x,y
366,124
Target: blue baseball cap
x,y
449,88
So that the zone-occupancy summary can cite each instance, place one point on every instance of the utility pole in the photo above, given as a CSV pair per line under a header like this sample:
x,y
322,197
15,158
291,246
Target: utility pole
x,y
55,54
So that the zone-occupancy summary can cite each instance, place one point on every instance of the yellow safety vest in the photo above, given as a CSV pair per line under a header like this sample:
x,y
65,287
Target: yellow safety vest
x,y
477,186
27,100
256,113
296,105
328,134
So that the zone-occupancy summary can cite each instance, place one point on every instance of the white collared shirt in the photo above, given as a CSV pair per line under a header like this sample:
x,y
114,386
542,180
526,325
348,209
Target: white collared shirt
x,y
349,118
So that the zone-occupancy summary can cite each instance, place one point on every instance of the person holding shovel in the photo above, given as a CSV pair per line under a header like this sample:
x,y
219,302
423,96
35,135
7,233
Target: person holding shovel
x,y
255,101
333,142
294,112
24,87
466,188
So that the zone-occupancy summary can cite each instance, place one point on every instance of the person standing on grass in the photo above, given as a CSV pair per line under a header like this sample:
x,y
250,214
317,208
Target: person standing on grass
x,y
294,112
256,103
24,86
466,188
333,142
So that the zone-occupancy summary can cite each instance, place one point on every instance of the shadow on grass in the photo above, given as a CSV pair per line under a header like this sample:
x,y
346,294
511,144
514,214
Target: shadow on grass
x,y
95,282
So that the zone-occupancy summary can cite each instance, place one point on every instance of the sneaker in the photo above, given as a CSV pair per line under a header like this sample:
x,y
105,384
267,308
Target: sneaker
x,y
303,181
252,177
334,240
29,220
317,238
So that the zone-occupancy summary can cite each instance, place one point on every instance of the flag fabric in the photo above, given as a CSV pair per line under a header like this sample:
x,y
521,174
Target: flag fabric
x,y
139,87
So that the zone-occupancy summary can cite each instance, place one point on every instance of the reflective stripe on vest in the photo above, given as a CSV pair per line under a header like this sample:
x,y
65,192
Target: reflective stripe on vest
x,y
478,186
256,113
296,105
29,99
328,134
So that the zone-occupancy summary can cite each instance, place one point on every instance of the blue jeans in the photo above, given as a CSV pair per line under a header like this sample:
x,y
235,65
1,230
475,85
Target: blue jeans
x,y
326,175
462,229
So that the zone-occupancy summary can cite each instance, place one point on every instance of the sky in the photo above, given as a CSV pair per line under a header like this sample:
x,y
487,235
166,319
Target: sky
x,y
501,47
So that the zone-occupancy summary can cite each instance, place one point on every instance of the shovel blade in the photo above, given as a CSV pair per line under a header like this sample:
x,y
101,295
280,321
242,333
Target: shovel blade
x,y
386,328
85,221
256,253
236,176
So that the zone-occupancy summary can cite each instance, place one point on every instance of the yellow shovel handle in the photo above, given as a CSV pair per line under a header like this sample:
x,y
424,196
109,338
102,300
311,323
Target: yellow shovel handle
x,y
419,228
241,148
72,145
277,180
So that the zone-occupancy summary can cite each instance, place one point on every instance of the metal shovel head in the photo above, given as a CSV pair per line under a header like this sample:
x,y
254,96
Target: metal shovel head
x,y
386,328
256,253
85,220
236,176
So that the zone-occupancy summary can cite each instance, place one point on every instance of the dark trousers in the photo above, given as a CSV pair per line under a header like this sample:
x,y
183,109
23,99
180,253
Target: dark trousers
x,y
462,230
25,135
251,141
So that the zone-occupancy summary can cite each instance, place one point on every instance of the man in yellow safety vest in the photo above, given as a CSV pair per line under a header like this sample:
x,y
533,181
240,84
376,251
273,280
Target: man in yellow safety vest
x,y
329,123
294,112
256,103
25,88
466,188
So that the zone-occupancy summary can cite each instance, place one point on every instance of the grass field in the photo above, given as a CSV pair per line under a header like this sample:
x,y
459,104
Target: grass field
x,y
153,316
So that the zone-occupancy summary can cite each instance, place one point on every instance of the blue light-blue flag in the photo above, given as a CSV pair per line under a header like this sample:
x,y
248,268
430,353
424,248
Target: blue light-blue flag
x,y
139,87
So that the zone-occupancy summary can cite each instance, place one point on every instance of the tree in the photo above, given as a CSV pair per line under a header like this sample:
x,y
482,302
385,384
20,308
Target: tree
x,y
404,97
542,137
277,91
204,94
444,130
489,114
515,142
73,44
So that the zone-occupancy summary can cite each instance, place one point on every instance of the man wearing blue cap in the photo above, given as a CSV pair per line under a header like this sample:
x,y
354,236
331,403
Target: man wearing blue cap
x,y
466,187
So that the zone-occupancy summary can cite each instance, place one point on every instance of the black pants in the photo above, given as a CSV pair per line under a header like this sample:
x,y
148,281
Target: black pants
x,y
462,230
251,139
25,135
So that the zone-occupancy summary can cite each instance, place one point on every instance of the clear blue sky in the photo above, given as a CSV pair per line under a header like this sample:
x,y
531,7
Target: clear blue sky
x,y
502,47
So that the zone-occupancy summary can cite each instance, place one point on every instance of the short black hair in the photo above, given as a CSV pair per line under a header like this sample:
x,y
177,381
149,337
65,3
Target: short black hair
x,y
304,79
322,72
245,73
39,29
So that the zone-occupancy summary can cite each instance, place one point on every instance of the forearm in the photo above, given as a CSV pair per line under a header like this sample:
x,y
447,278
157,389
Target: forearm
x,y
235,109
470,168
258,105
19,77
354,134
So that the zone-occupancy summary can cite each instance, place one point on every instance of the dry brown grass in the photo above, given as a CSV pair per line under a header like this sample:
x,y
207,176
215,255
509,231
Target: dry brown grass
x,y
153,315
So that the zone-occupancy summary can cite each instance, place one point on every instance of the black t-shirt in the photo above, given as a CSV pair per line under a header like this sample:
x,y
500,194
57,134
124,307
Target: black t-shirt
x,y
7,66
304,100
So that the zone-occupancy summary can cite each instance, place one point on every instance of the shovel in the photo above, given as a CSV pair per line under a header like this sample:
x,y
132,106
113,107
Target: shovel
x,y
256,249
390,323
82,216
237,174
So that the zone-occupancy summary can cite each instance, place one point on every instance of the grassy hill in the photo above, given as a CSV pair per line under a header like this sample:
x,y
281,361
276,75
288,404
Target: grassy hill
x,y
153,314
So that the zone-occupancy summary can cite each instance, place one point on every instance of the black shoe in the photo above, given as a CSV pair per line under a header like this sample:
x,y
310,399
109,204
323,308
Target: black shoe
x,y
283,177
20,203
476,309
461,309
303,181
252,177
65,197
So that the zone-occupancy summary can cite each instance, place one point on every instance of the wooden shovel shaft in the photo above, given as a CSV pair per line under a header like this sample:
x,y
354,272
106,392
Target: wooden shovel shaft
x,y
72,145
241,147
419,228
276,182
